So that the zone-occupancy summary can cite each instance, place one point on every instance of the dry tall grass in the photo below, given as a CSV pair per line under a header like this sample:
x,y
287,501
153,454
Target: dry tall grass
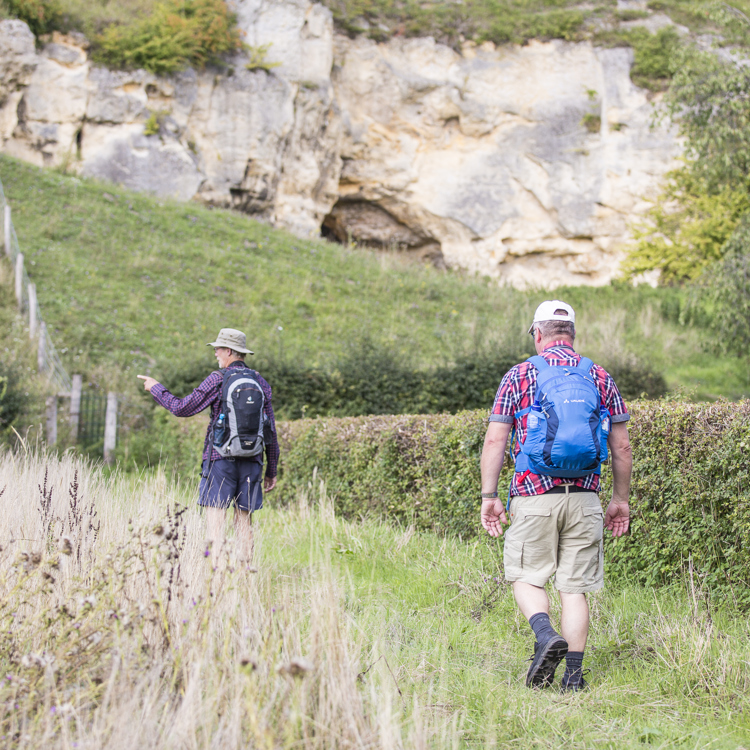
x,y
117,632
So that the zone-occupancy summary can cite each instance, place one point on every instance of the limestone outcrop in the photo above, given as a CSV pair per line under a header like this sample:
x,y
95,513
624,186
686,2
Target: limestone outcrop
x,y
523,164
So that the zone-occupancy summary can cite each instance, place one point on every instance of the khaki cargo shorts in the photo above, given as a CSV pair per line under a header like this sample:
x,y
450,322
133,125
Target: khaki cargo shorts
x,y
556,535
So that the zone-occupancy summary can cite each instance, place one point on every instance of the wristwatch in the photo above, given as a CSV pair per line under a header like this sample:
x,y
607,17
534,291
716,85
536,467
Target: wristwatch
x,y
489,495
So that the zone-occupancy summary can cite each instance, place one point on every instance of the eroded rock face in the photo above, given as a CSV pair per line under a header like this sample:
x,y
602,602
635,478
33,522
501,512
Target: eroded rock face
x,y
491,153
524,164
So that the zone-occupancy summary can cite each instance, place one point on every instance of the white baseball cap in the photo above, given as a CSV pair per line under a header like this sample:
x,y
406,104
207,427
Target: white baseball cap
x,y
553,309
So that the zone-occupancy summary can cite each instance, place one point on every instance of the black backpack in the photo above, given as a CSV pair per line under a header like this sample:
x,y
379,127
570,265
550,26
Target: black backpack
x,y
239,428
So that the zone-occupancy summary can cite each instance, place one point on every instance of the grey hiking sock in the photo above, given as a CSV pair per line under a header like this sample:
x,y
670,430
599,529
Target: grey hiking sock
x,y
542,627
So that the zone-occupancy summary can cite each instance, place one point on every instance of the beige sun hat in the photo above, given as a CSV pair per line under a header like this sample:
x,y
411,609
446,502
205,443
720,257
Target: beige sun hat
x,y
233,339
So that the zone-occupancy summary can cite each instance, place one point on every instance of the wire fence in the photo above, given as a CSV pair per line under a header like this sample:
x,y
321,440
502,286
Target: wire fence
x,y
48,359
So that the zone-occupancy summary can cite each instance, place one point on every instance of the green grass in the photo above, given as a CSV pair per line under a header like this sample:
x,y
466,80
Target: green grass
x,y
664,671
128,282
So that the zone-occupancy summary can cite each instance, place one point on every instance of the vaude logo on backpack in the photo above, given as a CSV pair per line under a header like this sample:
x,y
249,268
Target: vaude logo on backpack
x,y
240,433
567,426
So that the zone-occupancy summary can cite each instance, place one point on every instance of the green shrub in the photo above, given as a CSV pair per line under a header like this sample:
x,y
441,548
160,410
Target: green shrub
x,y
518,28
42,16
690,498
258,58
176,34
14,397
655,57
374,380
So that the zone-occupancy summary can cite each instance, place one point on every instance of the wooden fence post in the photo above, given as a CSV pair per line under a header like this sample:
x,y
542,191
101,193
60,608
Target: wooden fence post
x,y
75,407
110,428
51,420
41,351
32,310
19,280
6,227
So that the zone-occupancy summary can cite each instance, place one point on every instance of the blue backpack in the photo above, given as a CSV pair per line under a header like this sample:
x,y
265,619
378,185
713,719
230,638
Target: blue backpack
x,y
567,425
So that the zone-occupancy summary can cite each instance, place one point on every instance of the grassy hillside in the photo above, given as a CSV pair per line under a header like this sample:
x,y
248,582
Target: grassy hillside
x,y
130,283
346,634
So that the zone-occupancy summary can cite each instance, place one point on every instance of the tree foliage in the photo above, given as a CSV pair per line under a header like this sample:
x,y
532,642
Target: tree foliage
x,y
724,295
178,33
710,98
687,229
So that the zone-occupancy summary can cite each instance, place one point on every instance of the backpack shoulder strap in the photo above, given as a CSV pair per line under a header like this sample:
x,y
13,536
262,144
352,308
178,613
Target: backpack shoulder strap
x,y
586,364
539,362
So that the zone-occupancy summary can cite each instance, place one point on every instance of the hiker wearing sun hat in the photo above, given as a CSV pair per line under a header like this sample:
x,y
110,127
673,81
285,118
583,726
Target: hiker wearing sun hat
x,y
241,428
564,413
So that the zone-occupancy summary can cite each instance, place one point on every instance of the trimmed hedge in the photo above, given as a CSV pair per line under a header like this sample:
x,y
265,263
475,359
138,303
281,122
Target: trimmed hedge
x,y
690,498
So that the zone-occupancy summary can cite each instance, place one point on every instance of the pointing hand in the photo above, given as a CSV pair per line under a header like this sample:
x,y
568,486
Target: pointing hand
x,y
148,383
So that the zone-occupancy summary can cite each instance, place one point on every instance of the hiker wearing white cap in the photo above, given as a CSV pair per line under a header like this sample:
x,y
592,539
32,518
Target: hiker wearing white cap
x,y
565,414
242,427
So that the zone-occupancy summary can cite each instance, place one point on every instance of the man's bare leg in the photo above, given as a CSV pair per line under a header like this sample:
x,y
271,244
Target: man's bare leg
x,y
574,622
216,518
530,599
243,529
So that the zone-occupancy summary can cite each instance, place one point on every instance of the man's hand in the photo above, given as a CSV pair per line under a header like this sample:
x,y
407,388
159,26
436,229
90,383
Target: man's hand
x,y
493,516
148,383
617,518
269,483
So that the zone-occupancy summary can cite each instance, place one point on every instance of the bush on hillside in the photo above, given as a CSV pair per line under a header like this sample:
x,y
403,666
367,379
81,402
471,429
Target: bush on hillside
x,y
42,16
176,34
14,397
374,380
690,497
655,57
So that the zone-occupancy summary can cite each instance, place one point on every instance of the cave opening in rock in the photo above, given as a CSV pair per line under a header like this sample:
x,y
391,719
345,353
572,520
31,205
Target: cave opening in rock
x,y
368,224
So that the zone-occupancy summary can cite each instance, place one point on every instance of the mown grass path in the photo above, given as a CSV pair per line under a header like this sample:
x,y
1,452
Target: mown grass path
x,y
665,672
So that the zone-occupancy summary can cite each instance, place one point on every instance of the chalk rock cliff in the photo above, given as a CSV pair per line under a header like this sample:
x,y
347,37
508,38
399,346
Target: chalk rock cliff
x,y
523,164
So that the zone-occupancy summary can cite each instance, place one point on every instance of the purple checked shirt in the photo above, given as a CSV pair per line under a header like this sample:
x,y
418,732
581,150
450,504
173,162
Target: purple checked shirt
x,y
208,393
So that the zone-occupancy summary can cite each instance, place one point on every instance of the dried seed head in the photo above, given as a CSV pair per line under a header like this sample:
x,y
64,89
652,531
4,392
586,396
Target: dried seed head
x,y
297,667
247,664
66,546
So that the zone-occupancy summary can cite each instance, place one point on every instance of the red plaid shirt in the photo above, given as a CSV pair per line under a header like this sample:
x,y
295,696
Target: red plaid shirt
x,y
517,391
208,393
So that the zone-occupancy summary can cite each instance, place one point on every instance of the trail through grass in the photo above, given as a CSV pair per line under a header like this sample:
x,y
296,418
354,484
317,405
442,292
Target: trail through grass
x,y
349,635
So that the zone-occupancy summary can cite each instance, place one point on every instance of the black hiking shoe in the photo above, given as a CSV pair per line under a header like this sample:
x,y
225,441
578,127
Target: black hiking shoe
x,y
546,657
573,682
